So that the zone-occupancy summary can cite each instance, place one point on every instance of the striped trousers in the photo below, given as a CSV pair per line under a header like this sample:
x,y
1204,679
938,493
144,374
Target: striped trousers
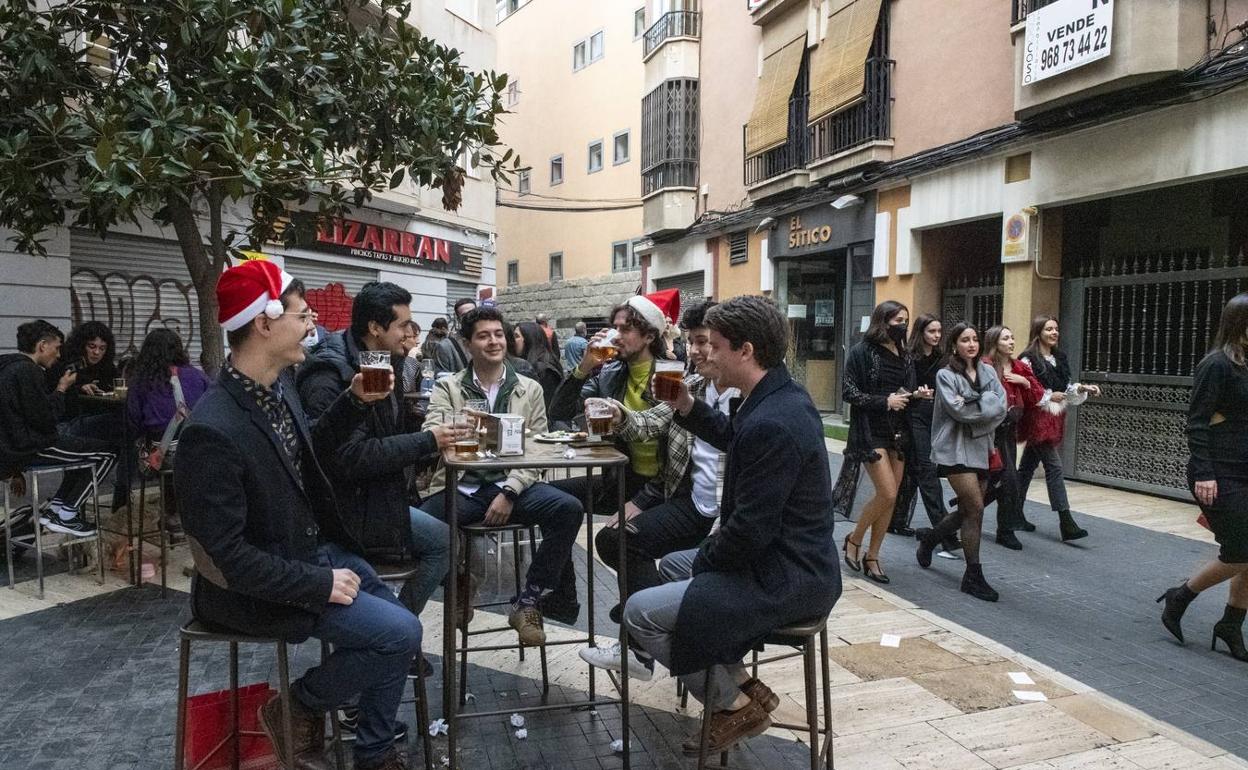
x,y
76,484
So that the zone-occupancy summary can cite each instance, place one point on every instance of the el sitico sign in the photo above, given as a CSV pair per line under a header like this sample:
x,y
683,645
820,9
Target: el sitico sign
x,y
386,244
1066,34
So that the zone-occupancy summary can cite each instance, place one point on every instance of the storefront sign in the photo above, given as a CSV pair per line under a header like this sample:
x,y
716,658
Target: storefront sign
x,y
1016,239
384,244
818,229
800,236
1064,35
825,312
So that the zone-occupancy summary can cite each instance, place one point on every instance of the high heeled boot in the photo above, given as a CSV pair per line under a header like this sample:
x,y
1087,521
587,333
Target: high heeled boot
x,y
1070,530
973,583
1176,600
1230,629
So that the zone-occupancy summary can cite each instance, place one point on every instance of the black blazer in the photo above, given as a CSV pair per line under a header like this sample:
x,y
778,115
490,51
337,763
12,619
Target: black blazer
x,y
774,560
255,524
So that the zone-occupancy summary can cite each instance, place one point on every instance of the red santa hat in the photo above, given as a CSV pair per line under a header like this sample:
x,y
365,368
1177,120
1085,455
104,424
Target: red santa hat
x,y
246,291
657,308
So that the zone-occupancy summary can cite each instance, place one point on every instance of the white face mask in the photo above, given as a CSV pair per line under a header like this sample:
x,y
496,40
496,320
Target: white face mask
x,y
312,339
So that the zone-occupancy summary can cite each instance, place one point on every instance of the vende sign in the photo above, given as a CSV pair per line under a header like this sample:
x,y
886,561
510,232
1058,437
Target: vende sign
x,y
386,244
1066,34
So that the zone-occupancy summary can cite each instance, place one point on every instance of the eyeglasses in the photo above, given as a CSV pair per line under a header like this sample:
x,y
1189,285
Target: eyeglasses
x,y
308,317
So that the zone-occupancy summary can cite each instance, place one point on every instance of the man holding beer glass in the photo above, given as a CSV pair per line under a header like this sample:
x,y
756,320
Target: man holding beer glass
x,y
496,497
675,511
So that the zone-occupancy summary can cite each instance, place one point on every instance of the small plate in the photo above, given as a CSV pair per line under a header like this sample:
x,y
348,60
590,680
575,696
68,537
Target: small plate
x,y
556,437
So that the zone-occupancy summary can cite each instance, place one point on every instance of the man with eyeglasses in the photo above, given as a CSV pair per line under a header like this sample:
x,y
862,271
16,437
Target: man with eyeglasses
x,y
272,556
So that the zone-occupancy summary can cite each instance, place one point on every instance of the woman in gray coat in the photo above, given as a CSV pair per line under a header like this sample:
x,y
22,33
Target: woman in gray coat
x,y
970,404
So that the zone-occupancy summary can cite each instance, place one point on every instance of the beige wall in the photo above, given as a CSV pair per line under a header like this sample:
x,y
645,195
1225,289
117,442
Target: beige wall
x,y
954,74
735,280
561,112
729,76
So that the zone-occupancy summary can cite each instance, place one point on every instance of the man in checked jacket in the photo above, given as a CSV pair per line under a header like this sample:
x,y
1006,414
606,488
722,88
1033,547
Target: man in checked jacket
x,y
675,510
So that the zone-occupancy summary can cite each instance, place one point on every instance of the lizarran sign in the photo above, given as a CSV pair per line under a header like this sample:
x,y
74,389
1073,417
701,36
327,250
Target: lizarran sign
x,y
385,244
1064,35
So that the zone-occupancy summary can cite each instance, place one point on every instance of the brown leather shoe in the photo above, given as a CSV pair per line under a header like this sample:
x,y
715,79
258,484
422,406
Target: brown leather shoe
x,y
728,727
393,760
527,620
761,694
309,734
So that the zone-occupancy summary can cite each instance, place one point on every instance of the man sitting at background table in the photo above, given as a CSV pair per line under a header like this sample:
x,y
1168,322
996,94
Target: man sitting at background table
x,y
496,497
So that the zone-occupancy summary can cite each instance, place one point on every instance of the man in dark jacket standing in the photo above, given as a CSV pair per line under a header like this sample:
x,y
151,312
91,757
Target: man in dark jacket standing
x,y
451,355
28,432
271,555
773,561
367,470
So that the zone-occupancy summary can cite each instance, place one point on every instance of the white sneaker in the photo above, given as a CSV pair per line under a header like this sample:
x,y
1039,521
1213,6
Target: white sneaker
x,y
609,658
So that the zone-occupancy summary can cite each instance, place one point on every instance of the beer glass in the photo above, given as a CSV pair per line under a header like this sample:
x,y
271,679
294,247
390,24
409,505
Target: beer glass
x,y
667,379
467,441
376,368
598,418
604,350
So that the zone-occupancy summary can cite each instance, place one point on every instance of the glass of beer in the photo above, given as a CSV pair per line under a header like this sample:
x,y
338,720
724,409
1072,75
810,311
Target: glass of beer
x,y
667,378
376,368
467,441
598,418
604,350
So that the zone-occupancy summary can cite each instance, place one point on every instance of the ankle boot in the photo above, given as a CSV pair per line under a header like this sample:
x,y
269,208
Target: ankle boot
x,y
1070,530
1007,539
973,583
1027,525
927,544
1230,629
1176,600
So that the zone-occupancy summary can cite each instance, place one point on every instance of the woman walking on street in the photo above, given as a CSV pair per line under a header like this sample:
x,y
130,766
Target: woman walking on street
x,y
1023,391
1217,434
970,404
1044,426
878,384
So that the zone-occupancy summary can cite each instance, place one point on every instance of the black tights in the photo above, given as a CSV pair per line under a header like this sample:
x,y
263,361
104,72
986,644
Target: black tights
x,y
969,515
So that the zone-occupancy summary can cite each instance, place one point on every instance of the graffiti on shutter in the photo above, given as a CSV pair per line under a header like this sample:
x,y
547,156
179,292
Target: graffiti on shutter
x,y
133,305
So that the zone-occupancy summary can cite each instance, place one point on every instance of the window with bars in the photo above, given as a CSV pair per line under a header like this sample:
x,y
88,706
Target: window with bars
x,y
556,266
513,272
739,248
669,136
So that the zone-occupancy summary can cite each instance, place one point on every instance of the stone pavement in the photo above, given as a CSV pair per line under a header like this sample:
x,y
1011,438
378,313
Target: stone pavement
x,y
92,679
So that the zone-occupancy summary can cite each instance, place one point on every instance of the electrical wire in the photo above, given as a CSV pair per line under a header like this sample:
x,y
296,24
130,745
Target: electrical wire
x,y
566,209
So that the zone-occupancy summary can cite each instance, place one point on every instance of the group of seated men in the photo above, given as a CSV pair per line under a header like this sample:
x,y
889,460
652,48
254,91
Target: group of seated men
x,y
291,478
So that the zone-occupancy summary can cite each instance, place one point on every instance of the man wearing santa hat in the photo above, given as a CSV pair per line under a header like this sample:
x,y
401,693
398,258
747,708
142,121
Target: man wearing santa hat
x,y
636,332
272,558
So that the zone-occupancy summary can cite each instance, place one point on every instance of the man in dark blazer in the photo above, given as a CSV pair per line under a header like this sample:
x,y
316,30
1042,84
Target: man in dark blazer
x,y
272,558
773,561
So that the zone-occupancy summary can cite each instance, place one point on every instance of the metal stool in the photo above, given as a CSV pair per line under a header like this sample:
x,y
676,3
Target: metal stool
x,y
482,530
194,631
163,476
802,636
35,541
400,573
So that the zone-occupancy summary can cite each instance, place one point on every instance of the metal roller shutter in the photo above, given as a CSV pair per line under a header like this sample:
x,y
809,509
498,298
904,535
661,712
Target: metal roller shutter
x,y
457,290
692,287
133,284
332,305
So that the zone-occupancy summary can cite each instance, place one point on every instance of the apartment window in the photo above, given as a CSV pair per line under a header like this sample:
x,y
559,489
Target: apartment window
x,y
513,93
506,8
556,170
467,163
596,41
578,55
513,272
619,144
523,184
556,266
624,257
639,22
595,156
739,248
586,52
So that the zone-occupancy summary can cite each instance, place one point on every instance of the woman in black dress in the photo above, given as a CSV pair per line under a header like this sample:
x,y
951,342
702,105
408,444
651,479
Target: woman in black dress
x,y
878,384
1217,434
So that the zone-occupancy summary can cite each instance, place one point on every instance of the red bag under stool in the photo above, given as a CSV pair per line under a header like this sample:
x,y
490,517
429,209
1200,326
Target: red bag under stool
x,y
208,730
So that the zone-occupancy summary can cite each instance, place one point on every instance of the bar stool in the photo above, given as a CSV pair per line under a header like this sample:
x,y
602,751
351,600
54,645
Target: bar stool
x,y
801,636
163,477
482,530
400,573
35,541
195,631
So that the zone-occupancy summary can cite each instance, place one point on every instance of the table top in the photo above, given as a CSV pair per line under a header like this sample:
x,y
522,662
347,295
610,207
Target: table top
x,y
108,397
417,396
541,455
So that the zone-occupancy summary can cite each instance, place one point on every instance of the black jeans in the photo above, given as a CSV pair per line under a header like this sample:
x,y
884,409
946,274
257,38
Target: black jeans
x,y
605,498
1003,486
920,473
675,525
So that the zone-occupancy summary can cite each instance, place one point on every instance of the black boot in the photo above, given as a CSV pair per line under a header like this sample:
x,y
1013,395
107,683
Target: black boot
x,y
927,543
1070,530
1007,538
973,583
1027,526
1230,629
1176,600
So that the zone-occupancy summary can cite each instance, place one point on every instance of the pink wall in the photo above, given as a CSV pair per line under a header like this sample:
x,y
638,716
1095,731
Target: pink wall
x,y
729,74
954,75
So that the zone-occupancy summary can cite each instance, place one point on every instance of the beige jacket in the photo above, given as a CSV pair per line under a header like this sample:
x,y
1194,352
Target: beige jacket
x,y
449,395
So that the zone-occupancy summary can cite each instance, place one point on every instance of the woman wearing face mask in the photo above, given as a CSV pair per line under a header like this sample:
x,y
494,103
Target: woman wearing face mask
x,y
970,404
1023,392
1044,427
878,384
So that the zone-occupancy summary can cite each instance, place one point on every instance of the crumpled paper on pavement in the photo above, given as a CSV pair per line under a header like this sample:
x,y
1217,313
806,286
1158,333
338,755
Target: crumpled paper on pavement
x,y
517,720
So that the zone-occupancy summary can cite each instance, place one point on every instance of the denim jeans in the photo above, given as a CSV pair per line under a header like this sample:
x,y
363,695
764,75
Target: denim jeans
x,y
557,513
431,541
374,639
1033,456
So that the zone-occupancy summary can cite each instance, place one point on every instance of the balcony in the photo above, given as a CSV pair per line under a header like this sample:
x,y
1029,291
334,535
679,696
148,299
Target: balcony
x,y
669,155
672,25
1023,7
856,135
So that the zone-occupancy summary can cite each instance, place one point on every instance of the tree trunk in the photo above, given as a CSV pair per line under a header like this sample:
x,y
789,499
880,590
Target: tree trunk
x,y
204,275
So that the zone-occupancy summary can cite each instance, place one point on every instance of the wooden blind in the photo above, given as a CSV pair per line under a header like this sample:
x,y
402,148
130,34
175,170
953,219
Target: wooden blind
x,y
838,65
769,121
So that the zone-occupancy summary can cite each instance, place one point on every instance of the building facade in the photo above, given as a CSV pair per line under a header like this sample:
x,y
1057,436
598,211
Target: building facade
x,y
570,224
136,279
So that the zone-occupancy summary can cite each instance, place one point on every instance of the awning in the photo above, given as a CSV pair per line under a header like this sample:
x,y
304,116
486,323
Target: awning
x,y
769,120
838,65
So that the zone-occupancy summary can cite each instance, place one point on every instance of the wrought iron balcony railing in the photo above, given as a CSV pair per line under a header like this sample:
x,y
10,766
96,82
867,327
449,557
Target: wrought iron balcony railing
x,y
866,121
671,24
1023,7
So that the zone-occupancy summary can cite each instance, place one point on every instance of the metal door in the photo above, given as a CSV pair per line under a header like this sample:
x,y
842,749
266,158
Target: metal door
x,y
977,300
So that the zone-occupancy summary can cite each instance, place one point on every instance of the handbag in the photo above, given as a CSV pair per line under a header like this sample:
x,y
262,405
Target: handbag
x,y
152,455
995,464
